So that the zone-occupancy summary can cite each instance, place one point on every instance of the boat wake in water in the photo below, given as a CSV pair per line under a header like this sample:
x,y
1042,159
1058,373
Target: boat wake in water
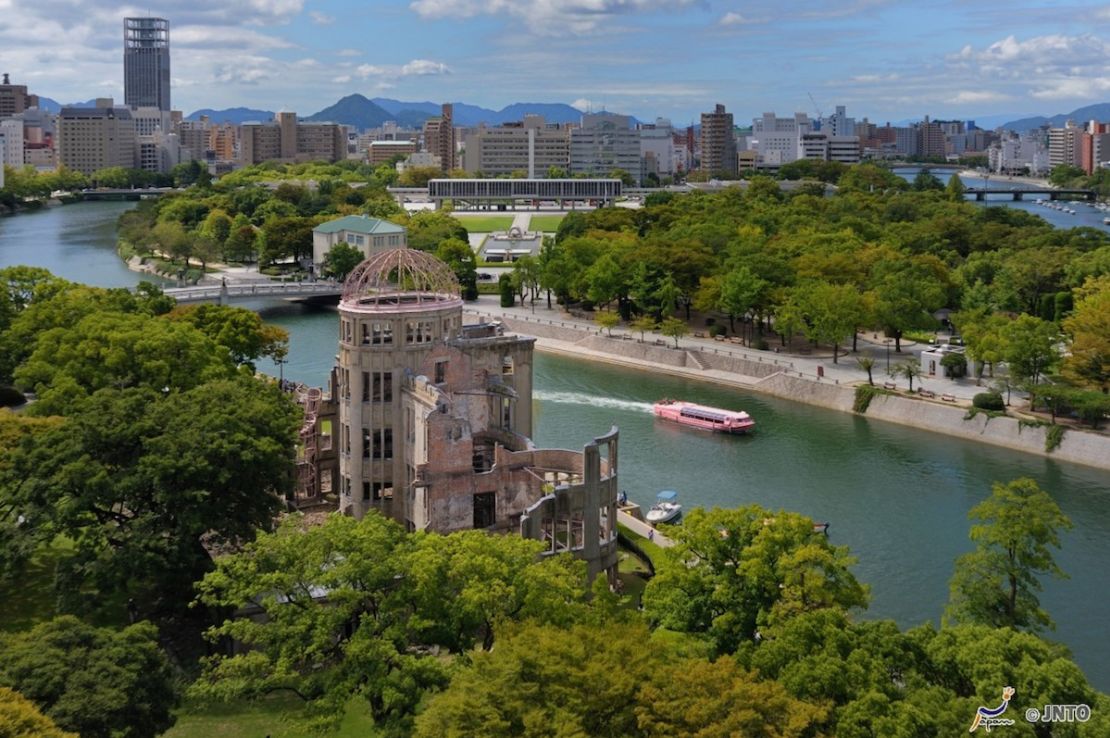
x,y
581,398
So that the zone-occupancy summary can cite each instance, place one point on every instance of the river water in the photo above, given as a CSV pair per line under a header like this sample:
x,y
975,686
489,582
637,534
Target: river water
x,y
896,496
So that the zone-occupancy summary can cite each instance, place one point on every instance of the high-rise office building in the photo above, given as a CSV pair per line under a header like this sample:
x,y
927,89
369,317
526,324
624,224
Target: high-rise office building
x,y
439,137
146,63
14,98
718,146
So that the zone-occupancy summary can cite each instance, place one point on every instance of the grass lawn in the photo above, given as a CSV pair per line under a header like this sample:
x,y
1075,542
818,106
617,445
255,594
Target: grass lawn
x,y
274,716
485,223
545,223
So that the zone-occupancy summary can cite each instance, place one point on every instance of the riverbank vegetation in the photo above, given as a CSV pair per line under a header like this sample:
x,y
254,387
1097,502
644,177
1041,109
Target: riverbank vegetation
x,y
149,474
881,254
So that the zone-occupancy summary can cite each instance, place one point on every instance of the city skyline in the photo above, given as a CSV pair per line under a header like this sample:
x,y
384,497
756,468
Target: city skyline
x,y
885,60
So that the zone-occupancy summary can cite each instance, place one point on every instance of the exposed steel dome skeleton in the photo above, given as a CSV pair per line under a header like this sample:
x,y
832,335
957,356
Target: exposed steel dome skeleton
x,y
400,276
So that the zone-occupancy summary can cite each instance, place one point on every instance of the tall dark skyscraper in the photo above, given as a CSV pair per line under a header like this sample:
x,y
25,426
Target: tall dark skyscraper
x,y
146,63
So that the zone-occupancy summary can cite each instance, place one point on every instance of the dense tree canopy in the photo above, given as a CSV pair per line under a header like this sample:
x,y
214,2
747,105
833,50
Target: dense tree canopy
x,y
96,682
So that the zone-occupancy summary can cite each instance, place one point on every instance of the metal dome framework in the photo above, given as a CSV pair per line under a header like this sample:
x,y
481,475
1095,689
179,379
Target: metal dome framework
x,y
401,277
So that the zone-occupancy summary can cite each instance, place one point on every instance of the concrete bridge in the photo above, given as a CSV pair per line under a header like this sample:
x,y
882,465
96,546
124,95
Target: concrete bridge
x,y
105,193
226,293
981,193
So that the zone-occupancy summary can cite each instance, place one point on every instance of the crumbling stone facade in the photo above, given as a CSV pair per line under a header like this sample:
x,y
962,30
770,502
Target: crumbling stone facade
x,y
432,421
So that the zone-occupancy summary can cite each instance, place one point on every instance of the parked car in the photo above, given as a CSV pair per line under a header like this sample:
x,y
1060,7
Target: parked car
x,y
485,276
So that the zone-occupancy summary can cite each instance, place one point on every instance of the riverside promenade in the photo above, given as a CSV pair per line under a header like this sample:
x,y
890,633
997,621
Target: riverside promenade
x,y
562,333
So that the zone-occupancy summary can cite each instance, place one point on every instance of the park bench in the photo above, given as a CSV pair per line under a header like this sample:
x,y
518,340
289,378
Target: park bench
x,y
718,338
890,385
927,393
948,398
699,334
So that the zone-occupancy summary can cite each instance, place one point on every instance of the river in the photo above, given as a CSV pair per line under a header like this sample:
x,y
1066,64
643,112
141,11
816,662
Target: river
x,y
897,497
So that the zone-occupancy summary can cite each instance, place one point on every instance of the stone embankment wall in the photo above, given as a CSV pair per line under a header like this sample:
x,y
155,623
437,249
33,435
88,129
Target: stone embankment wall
x,y
1090,449
775,376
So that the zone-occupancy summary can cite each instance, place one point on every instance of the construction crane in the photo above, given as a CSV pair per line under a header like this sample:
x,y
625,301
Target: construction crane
x,y
815,106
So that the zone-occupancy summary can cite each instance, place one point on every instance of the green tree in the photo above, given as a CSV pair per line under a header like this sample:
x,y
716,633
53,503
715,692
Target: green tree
x,y
834,311
172,241
545,681
910,369
606,280
1031,347
607,320
506,290
740,292
675,328
239,330
427,229
1088,360
286,237
867,363
96,682
733,572
955,189
468,584
926,180
340,260
110,349
526,277
458,255
643,324
996,584
695,697
907,291
19,718
142,481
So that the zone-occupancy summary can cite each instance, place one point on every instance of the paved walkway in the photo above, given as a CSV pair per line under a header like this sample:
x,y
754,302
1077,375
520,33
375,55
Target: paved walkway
x,y
639,527
807,366
522,221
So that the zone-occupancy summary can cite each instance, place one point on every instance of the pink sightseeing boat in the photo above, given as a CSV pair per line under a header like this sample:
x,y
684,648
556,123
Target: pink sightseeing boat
x,y
706,418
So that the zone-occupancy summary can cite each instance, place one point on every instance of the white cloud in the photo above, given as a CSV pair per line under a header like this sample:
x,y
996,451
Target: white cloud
x,y
348,52
547,17
423,68
370,70
341,79
1076,88
216,37
972,97
583,104
733,19
321,19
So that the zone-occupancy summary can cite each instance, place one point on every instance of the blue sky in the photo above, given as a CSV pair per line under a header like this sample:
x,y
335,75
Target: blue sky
x,y
883,59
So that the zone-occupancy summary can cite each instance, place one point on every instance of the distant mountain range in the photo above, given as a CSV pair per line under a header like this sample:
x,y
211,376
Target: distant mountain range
x,y
54,107
1101,112
362,113
232,115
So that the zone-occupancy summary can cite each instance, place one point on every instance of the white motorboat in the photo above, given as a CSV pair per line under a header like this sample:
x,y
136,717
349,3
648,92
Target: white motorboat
x,y
665,510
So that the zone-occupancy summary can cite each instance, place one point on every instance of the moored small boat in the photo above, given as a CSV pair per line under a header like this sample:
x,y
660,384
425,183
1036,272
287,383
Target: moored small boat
x,y
704,417
821,528
665,510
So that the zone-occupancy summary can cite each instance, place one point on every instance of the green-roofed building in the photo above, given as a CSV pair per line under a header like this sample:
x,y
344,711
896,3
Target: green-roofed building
x,y
368,235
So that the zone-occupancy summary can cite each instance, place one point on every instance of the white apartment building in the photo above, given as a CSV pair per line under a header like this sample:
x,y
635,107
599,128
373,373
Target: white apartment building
x,y
657,149
531,145
777,141
605,142
1064,145
824,147
11,152
1025,153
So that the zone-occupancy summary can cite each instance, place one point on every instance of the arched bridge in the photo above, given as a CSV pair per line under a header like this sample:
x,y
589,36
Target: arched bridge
x,y
981,193
226,293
